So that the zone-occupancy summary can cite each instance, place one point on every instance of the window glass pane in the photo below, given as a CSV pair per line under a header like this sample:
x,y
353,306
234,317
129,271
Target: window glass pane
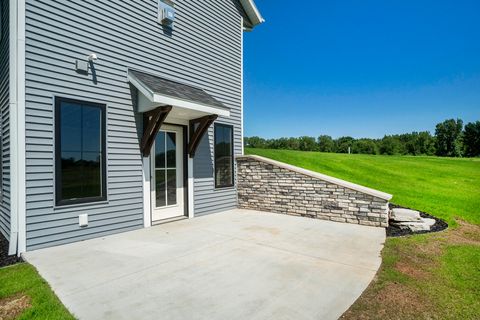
x,y
71,127
160,188
91,128
223,156
172,187
171,150
81,153
92,174
160,150
71,174
80,175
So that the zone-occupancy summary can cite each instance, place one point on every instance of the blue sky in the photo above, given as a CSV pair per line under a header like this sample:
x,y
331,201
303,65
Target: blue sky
x,y
361,68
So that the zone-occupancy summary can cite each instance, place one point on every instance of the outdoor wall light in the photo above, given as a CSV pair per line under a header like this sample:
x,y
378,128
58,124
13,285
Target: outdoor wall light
x,y
92,57
166,13
81,66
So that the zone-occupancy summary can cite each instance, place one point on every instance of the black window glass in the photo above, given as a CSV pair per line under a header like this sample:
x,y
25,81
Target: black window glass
x,y
172,186
160,188
171,150
80,152
165,169
223,156
160,150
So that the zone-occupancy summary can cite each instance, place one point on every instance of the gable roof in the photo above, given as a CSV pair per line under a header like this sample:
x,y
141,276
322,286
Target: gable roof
x,y
253,14
176,90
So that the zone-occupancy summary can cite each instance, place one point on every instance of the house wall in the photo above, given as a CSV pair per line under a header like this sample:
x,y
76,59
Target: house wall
x,y
266,186
204,50
4,121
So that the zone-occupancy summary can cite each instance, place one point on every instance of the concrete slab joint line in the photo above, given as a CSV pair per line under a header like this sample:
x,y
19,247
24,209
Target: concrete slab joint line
x,y
307,193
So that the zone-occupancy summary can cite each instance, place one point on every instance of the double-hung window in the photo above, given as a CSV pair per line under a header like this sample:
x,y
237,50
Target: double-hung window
x,y
223,155
80,151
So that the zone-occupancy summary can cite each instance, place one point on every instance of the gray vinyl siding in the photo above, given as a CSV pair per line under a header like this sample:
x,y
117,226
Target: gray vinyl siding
x,y
4,116
204,50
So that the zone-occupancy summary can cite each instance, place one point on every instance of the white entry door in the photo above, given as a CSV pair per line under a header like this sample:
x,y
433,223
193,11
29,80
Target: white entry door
x,y
167,178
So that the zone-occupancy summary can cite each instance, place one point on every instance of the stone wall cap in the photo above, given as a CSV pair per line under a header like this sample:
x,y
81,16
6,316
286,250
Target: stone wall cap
x,y
313,174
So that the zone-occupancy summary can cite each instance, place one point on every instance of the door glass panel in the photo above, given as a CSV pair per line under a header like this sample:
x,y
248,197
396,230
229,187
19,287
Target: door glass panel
x,y
165,169
160,188
160,150
172,187
171,150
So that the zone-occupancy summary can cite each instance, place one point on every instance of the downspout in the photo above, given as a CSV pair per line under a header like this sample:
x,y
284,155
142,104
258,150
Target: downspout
x,y
17,127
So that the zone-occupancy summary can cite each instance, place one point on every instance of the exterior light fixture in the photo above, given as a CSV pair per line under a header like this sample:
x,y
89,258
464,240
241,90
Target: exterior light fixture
x,y
166,13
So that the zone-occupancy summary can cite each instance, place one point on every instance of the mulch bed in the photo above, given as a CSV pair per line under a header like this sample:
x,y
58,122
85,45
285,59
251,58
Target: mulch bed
x,y
393,231
5,259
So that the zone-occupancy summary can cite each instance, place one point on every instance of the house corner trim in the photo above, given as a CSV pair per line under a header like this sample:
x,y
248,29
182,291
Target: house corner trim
x,y
17,127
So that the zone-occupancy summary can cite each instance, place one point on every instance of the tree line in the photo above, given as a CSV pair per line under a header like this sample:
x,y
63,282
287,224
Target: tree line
x,y
451,139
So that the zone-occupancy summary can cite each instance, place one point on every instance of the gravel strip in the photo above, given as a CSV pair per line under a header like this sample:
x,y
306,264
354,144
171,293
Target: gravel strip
x,y
5,259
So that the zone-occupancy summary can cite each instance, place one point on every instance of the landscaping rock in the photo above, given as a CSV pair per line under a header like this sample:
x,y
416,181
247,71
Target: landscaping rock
x,y
424,224
405,215
396,230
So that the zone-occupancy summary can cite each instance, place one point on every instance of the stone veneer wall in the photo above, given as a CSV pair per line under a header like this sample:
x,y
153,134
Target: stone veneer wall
x,y
267,185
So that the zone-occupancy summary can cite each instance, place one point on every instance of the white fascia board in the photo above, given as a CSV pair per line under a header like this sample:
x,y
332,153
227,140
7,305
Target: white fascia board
x,y
252,12
161,99
139,85
175,102
17,128
313,174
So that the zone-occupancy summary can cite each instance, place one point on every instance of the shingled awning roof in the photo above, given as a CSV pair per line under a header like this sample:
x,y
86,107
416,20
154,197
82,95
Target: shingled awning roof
x,y
158,91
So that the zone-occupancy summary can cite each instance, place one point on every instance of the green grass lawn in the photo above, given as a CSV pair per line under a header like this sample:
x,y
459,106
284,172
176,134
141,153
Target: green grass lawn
x,y
431,276
23,280
445,187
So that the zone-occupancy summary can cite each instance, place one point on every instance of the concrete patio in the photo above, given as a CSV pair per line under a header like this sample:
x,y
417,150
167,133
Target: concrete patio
x,y
238,264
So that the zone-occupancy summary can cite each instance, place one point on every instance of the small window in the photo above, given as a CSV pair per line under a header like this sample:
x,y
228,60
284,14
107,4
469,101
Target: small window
x,y
79,151
223,156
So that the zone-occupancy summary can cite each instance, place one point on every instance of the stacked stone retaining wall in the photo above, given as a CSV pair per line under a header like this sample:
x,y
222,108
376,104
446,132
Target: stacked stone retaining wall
x,y
268,185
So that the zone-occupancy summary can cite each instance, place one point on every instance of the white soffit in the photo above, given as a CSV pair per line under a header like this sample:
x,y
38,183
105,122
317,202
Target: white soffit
x,y
252,12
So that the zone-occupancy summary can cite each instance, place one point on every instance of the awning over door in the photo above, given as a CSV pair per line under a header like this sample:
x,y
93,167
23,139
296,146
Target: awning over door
x,y
159,98
188,102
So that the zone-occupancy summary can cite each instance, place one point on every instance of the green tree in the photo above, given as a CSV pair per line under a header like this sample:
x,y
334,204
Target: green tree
x,y
391,145
343,143
417,143
471,139
293,144
326,144
280,143
255,142
307,143
448,135
365,146
425,143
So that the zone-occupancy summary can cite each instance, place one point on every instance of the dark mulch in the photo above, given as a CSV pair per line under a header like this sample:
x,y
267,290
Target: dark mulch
x,y
5,259
393,231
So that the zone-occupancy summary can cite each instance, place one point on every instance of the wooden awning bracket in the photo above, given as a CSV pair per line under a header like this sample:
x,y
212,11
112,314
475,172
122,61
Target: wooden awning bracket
x,y
198,127
152,121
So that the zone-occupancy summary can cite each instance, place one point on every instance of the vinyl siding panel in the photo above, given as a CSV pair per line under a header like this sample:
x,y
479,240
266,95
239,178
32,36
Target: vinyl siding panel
x,y
5,121
203,50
